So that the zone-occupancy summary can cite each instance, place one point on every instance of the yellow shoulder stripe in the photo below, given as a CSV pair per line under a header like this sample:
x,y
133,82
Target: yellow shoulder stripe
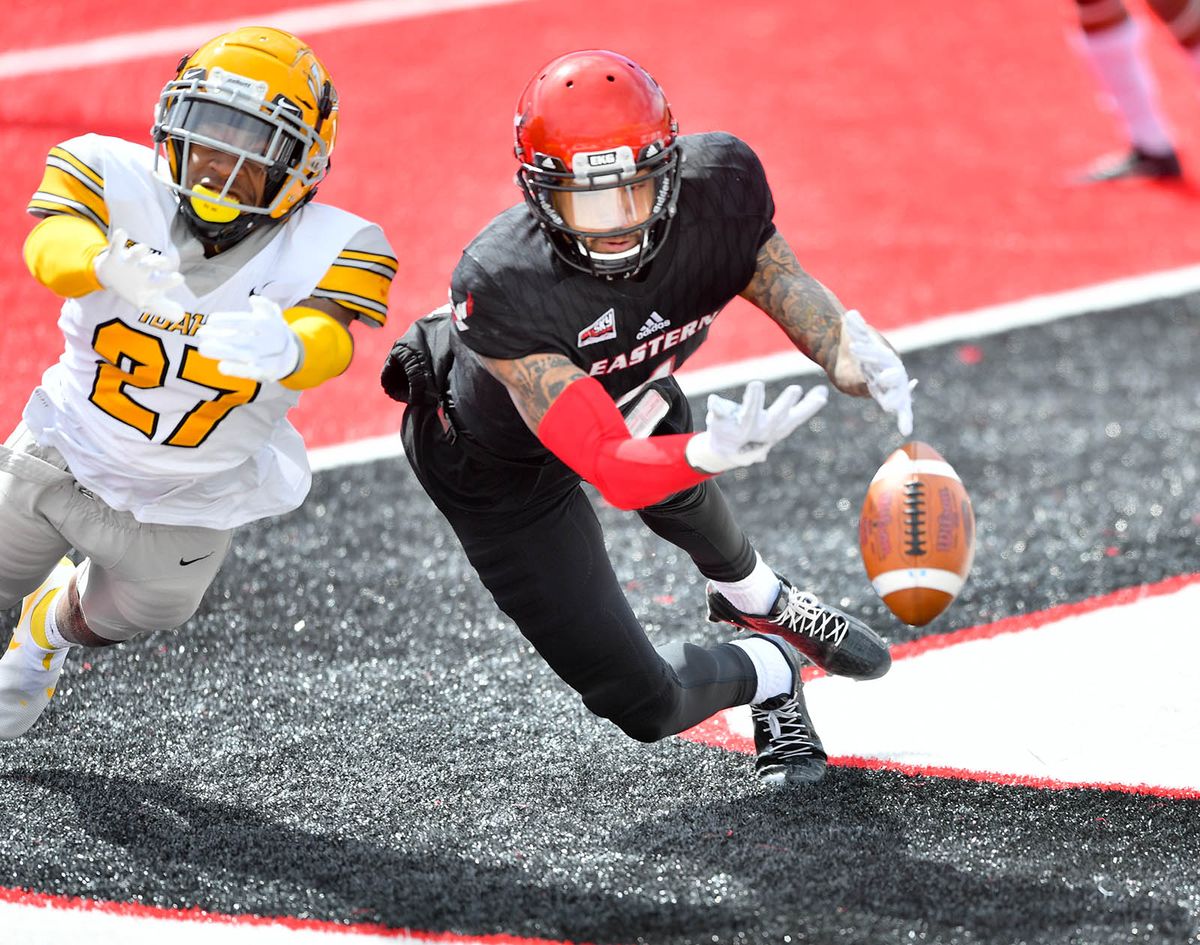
x,y
72,195
65,155
379,259
360,284
46,205
365,308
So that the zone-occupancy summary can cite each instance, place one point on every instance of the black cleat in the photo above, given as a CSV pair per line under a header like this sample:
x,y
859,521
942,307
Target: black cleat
x,y
788,751
1137,163
838,643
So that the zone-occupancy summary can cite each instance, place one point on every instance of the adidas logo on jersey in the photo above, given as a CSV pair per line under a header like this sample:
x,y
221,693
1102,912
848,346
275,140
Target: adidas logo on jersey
x,y
603,328
654,324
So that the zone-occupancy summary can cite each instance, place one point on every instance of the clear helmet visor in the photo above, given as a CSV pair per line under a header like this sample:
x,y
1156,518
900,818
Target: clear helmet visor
x,y
624,207
608,210
229,129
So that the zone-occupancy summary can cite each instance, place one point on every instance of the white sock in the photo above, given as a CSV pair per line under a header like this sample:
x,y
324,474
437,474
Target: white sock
x,y
53,635
1116,58
755,594
770,665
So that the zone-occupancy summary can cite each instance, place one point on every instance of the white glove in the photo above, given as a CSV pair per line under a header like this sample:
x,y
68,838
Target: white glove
x,y
882,369
743,434
140,277
258,344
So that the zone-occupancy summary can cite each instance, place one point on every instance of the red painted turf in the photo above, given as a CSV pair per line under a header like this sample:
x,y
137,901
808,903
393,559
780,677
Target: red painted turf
x,y
919,160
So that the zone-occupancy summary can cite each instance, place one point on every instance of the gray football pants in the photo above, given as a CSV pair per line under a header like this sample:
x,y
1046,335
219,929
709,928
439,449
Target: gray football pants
x,y
136,577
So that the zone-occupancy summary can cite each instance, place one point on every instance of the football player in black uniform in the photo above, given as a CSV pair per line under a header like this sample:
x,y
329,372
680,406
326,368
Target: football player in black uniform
x,y
553,364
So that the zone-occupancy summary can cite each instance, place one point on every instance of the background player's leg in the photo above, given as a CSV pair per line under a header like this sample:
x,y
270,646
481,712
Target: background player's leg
x,y
1111,43
1182,18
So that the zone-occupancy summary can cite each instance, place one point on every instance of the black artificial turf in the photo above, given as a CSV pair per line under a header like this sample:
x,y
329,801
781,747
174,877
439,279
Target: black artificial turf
x,y
349,731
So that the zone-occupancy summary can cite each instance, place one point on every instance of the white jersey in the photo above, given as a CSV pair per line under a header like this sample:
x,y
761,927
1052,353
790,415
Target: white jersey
x,y
143,420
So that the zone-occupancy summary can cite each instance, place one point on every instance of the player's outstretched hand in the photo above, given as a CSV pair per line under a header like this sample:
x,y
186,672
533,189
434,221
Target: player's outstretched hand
x,y
743,434
256,343
138,275
884,372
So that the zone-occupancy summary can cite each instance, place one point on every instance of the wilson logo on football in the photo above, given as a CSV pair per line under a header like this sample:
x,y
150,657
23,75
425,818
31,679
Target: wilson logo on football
x,y
603,328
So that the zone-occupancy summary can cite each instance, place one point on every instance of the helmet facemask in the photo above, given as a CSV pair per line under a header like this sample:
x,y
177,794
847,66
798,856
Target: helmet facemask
x,y
231,114
609,194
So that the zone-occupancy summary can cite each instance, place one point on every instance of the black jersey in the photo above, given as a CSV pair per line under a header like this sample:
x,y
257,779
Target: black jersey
x,y
512,296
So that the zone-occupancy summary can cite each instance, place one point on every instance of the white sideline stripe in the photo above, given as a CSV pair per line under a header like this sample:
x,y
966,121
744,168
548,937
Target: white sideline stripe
x,y
890,581
918,467
977,324
359,451
958,326
30,923
176,40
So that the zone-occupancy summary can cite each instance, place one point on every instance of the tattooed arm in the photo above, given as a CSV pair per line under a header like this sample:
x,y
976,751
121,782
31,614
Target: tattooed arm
x,y
533,382
808,312
578,422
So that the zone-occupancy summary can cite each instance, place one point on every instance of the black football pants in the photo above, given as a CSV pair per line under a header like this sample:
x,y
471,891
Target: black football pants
x,y
533,537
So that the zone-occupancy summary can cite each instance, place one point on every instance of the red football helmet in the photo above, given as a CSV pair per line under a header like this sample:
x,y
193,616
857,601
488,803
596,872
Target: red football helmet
x,y
599,160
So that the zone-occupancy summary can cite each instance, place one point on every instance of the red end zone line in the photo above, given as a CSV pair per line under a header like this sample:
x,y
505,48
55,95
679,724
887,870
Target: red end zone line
x,y
24,897
714,732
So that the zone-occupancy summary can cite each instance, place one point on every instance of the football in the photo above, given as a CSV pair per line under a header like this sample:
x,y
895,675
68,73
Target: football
x,y
917,533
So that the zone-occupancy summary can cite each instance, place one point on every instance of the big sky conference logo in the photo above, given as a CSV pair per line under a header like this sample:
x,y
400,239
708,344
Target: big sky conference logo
x,y
663,339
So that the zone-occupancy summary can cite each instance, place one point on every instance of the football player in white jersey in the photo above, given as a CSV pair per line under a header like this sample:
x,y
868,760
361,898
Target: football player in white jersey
x,y
204,290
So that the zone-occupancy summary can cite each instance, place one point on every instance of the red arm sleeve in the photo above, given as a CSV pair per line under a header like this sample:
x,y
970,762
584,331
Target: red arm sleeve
x,y
585,430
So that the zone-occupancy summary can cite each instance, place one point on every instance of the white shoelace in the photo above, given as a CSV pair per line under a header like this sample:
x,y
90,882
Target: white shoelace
x,y
805,614
790,737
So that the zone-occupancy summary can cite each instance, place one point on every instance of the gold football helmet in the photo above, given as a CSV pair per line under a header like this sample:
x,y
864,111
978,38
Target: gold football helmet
x,y
262,101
